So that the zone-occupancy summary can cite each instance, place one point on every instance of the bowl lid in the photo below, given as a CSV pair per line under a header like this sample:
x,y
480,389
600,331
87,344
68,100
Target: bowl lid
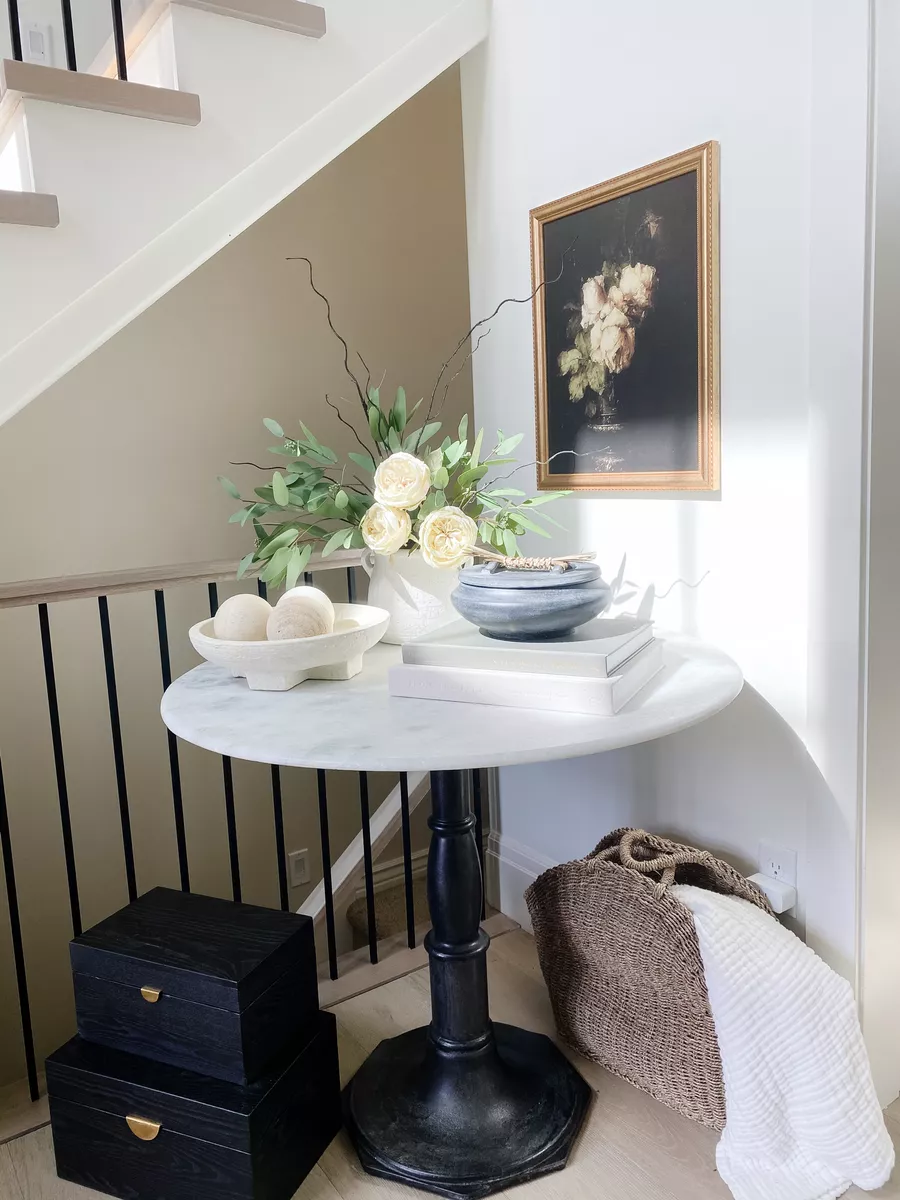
x,y
482,575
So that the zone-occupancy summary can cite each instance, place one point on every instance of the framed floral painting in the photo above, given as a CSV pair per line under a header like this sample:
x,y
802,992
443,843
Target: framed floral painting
x,y
626,330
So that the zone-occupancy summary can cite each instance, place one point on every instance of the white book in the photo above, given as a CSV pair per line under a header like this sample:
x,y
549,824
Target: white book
x,y
597,649
591,694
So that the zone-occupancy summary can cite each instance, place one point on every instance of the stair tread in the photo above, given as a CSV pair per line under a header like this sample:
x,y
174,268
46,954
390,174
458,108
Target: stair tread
x,y
29,208
33,81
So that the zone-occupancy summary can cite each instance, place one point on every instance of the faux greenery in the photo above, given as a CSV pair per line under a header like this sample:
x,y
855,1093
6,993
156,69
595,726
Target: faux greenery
x,y
313,500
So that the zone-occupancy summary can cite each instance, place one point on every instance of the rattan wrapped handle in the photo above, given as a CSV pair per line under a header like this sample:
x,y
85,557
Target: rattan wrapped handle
x,y
666,864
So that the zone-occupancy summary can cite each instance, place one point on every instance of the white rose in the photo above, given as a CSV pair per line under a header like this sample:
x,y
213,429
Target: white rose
x,y
385,530
593,297
447,537
612,340
637,284
402,481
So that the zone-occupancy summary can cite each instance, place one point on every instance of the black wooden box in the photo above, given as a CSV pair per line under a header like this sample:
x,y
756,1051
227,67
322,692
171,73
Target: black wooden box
x,y
145,1131
221,988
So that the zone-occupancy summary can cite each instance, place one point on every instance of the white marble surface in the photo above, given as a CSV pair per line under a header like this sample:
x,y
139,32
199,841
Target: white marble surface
x,y
354,725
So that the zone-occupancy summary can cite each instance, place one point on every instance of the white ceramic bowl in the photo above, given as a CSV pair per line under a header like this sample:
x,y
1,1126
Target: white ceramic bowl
x,y
278,666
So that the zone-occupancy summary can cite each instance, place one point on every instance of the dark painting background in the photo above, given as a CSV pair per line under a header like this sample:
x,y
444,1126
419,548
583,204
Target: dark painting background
x,y
657,394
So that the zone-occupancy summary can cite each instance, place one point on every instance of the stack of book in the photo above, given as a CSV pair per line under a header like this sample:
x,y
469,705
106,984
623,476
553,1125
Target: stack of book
x,y
595,670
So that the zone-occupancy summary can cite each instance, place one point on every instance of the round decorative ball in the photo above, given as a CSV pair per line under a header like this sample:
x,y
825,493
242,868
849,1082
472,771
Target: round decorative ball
x,y
301,613
242,619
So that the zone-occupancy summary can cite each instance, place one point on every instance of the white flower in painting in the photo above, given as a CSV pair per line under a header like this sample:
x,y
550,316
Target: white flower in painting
x,y
593,297
385,530
637,284
447,537
612,340
402,481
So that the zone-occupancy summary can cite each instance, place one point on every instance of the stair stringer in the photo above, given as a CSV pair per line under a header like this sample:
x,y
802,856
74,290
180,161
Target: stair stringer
x,y
348,870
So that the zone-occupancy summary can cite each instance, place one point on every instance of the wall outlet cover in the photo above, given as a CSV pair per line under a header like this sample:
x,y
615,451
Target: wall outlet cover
x,y
778,862
298,868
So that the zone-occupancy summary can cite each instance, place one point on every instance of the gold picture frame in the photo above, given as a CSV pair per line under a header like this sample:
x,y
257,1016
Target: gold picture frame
x,y
592,384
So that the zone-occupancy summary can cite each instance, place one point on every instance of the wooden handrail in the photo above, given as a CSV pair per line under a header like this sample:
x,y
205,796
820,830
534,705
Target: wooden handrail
x,y
141,579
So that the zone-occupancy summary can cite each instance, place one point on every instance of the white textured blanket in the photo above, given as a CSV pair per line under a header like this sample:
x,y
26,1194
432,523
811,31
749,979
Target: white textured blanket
x,y
802,1118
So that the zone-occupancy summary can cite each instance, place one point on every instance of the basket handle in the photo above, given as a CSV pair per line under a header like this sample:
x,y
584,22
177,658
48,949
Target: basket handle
x,y
667,864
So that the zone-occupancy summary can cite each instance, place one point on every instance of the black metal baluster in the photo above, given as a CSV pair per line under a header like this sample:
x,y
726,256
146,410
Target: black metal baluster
x,y
479,831
174,766
65,818
308,578
262,590
15,930
228,782
119,39
69,34
367,862
115,729
326,875
407,862
15,31
351,585
279,839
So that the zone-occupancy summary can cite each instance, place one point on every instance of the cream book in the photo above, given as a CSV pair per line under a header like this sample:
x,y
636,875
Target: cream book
x,y
597,649
595,695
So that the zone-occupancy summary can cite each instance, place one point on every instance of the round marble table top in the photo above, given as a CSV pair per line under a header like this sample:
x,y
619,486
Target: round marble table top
x,y
354,725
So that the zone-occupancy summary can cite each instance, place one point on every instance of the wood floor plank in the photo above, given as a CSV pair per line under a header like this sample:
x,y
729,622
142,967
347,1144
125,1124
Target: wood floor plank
x,y
9,1183
33,1163
351,1054
392,1009
18,1112
317,1186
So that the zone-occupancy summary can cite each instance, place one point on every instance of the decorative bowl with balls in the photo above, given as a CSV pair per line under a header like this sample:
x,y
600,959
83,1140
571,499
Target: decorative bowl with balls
x,y
303,636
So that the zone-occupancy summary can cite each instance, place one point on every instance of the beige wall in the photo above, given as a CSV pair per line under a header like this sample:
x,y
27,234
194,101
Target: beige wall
x,y
115,467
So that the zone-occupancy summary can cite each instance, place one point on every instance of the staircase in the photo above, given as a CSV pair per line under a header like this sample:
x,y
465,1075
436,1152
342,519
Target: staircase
x,y
193,120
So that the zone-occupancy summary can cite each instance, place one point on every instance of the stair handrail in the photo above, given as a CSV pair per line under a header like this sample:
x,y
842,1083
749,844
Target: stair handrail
x,y
138,579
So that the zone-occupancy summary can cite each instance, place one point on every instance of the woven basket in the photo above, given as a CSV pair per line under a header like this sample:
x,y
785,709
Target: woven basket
x,y
622,963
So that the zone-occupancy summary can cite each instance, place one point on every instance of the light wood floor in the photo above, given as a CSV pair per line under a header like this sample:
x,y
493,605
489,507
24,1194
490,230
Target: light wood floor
x,y
630,1149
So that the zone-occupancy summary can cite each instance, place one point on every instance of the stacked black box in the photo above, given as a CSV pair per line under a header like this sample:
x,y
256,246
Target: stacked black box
x,y
203,1069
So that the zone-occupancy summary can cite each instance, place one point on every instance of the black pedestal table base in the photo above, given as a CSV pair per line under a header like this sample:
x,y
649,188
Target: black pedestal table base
x,y
462,1107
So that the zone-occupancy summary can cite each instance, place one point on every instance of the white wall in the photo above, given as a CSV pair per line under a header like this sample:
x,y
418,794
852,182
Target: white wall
x,y
554,105
881,960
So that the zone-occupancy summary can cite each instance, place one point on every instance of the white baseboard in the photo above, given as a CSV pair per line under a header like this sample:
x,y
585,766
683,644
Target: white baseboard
x,y
511,868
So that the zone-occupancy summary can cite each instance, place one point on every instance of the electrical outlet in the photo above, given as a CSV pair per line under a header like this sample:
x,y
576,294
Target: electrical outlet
x,y
778,863
298,867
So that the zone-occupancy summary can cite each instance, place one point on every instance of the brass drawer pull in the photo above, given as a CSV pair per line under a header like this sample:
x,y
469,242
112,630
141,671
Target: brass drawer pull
x,y
142,1128
151,994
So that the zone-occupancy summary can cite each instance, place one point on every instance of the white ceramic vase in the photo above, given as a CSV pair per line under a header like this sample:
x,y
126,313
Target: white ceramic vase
x,y
415,594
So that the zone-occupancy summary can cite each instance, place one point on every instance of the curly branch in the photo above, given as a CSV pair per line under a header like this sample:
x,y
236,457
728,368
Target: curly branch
x,y
368,372
312,283
485,320
352,428
457,374
539,462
